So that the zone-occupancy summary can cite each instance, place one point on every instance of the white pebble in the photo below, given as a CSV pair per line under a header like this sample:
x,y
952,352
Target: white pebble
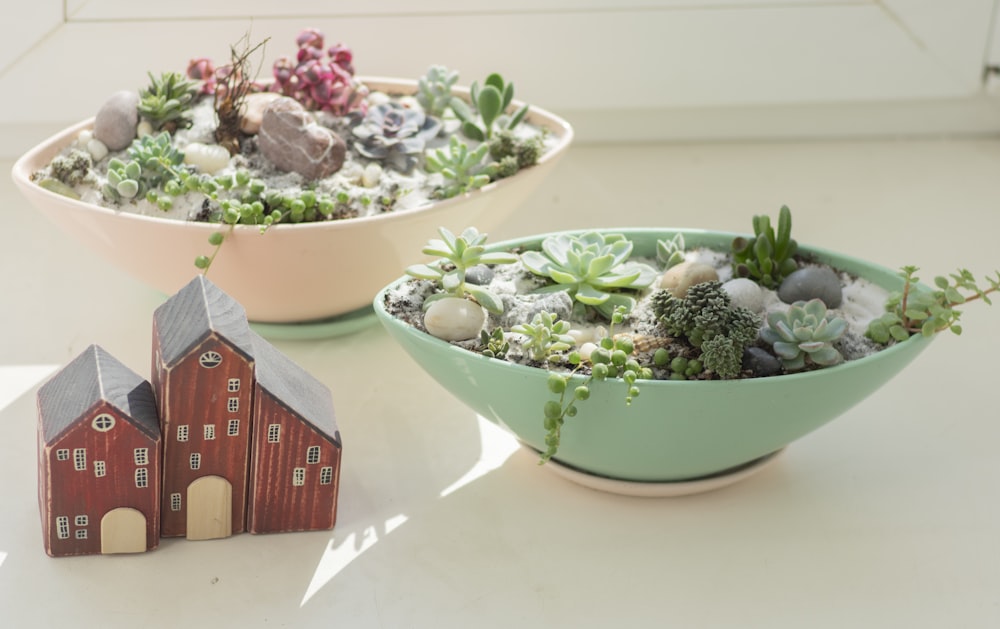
x,y
144,128
85,136
586,350
373,172
377,98
744,293
208,158
97,149
410,102
454,319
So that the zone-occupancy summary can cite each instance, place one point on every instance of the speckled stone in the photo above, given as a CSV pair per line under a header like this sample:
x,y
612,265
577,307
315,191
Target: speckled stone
x,y
680,277
812,282
521,308
744,293
760,362
480,275
294,142
116,120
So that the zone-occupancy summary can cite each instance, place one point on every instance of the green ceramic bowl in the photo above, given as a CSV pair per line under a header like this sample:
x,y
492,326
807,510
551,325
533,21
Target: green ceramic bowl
x,y
673,431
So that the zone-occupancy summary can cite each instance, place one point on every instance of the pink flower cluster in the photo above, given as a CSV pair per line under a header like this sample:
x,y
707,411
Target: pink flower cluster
x,y
320,83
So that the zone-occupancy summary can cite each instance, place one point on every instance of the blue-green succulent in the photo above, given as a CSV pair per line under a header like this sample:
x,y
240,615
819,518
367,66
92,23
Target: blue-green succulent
x,y
804,334
593,268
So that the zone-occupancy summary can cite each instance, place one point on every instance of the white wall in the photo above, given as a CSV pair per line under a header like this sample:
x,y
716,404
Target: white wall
x,y
679,69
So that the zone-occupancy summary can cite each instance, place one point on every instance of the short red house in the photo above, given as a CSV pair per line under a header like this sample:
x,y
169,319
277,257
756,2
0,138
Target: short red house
x,y
98,459
203,379
295,466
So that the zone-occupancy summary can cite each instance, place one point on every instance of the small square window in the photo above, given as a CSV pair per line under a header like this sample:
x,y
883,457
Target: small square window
x,y
62,454
141,456
233,429
209,431
81,533
312,455
299,476
325,475
81,520
182,432
62,527
234,385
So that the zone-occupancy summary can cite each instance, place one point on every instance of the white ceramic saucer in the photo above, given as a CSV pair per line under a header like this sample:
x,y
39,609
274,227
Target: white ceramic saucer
x,y
663,489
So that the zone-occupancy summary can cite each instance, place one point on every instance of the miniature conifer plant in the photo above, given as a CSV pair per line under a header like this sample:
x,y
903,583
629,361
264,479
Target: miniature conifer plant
x,y
914,310
593,268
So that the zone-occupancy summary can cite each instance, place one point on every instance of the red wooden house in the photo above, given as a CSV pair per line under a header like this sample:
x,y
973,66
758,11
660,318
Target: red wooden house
x,y
98,458
295,469
202,376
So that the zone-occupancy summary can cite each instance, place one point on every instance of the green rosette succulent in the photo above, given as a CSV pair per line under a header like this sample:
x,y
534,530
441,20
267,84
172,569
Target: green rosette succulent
x,y
804,334
592,267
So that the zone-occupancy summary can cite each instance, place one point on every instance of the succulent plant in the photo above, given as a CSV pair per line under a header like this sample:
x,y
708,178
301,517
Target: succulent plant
x,y
928,312
159,160
511,153
434,90
124,180
494,343
767,257
670,252
708,321
490,101
546,336
395,135
166,102
461,168
320,83
804,334
593,267
458,254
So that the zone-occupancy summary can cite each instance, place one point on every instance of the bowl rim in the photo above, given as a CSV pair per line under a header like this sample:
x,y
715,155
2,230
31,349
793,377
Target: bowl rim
x,y
32,160
914,342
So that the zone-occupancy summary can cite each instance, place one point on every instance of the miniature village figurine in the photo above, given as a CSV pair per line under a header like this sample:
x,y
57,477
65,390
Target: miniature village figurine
x,y
230,435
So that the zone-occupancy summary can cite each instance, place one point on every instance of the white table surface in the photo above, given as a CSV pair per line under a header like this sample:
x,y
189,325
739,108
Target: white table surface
x,y
887,517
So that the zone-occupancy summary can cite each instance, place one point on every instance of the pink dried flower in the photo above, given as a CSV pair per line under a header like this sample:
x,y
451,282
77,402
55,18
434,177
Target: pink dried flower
x,y
309,38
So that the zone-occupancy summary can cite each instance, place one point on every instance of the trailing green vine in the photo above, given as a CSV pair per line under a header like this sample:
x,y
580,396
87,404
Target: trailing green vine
x,y
612,359
927,312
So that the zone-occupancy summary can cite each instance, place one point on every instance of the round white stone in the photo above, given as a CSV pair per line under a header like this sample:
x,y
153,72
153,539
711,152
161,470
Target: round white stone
x,y
454,319
144,128
208,158
744,293
97,149
371,176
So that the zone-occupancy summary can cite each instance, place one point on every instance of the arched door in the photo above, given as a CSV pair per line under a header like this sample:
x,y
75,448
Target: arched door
x,y
210,508
123,530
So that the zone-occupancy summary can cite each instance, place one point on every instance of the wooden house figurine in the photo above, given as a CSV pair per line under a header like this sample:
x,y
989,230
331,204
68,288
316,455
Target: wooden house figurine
x,y
98,458
202,376
295,465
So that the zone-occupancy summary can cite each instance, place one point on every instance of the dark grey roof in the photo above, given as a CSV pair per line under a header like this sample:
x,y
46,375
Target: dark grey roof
x,y
191,315
295,388
92,377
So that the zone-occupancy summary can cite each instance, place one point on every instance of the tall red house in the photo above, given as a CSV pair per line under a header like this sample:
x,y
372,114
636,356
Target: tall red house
x,y
98,459
202,376
295,466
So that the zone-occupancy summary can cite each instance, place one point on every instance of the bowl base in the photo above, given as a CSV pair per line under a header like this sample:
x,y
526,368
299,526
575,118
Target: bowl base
x,y
317,329
666,489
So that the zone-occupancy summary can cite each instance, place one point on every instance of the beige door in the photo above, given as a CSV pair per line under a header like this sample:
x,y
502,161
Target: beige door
x,y
210,508
123,530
